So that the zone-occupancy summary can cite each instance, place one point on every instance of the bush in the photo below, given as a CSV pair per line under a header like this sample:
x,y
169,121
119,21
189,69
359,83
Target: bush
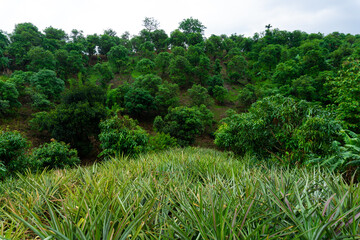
x,y
145,66
220,93
184,123
40,102
8,97
46,82
54,155
12,151
138,102
104,72
199,95
122,135
162,141
76,119
281,128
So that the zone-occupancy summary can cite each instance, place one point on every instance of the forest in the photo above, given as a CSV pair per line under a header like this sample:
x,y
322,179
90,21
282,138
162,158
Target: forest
x,y
179,136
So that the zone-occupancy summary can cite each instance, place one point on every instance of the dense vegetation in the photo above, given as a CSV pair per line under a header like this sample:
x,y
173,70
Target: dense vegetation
x,y
187,193
289,100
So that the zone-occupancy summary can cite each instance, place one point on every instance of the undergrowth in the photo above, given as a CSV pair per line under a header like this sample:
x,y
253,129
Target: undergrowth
x,y
187,193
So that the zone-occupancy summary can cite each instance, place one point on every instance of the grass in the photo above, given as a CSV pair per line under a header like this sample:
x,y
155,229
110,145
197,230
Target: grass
x,y
190,193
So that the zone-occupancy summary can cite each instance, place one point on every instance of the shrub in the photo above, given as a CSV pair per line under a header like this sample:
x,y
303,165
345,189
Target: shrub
x,y
138,102
76,119
54,155
162,141
8,97
46,82
122,135
104,72
281,128
40,102
145,66
199,95
12,151
220,93
184,123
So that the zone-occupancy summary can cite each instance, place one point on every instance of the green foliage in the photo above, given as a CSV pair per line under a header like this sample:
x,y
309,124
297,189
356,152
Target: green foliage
x,y
149,82
346,155
76,119
40,101
184,123
180,71
191,25
211,194
345,93
46,82
119,56
162,62
21,80
167,96
247,96
138,101
214,81
220,93
145,66
104,72
285,72
199,95
8,97
40,59
280,128
122,135
237,68
13,147
54,155
162,141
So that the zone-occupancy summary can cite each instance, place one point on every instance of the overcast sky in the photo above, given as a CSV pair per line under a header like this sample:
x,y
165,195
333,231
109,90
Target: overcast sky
x,y
220,16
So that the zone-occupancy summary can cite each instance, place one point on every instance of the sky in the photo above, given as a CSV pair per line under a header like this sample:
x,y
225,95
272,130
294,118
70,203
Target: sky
x,y
220,17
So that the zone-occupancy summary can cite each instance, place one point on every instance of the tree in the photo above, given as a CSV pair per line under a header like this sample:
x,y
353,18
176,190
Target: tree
x,y
138,102
280,128
151,24
199,95
122,135
119,57
345,92
8,97
177,38
191,25
145,66
40,59
46,82
162,62
184,123
76,119
180,71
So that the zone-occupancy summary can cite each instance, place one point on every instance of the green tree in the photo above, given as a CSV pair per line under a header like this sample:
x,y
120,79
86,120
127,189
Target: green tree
x,y
145,66
122,135
139,102
191,25
180,71
345,92
40,59
199,95
119,57
8,97
280,128
13,148
76,119
54,155
46,82
151,24
184,123
162,62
